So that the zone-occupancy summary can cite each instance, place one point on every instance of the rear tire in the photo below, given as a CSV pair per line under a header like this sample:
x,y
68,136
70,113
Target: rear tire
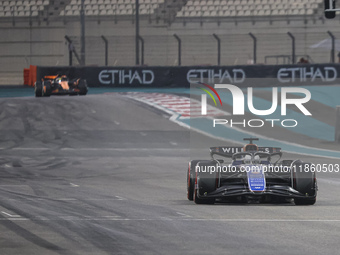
x,y
82,86
304,181
38,89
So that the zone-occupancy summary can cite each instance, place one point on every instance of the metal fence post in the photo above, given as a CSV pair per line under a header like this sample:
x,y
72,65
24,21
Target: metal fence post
x,y
179,49
137,32
255,47
333,46
337,125
106,50
71,50
142,42
218,49
293,47
82,25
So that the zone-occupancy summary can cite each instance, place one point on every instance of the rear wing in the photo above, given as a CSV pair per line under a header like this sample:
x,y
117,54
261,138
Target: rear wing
x,y
50,77
230,151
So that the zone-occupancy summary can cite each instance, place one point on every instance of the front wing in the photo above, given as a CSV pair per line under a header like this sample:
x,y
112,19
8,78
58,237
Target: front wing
x,y
242,190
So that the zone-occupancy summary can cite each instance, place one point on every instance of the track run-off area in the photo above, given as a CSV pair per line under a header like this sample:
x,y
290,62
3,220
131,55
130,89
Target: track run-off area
x,y
106,174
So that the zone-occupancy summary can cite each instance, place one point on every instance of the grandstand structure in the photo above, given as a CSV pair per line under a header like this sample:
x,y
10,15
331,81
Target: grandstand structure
x,y
34,32
179,8
241,8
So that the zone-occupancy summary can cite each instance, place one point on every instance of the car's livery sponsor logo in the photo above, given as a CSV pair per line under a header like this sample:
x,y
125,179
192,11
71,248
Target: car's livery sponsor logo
x,y
256,179
233,150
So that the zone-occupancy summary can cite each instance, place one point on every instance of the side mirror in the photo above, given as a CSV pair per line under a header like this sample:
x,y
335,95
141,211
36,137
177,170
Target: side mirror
x,y
329,6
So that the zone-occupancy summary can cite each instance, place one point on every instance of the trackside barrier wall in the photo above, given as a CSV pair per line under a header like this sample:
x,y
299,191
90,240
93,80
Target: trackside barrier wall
x,y
30,75
175,76
337,125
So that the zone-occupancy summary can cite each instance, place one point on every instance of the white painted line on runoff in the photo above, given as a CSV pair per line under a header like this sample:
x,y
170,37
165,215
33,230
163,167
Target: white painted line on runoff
x,y
119,149
266,220
117,218
26,148
74,185
104,199
117,123
10,215
183,214
173,143
13,219
329,181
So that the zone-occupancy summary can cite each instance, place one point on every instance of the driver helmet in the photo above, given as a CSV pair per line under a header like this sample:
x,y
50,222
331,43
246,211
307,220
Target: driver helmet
x,y
257,159
247,159
64,78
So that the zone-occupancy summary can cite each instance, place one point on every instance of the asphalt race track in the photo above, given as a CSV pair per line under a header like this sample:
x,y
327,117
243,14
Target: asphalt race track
x,y
104,174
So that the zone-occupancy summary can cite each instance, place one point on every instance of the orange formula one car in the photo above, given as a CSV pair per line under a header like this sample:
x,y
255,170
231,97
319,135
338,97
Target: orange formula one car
x,y
60,85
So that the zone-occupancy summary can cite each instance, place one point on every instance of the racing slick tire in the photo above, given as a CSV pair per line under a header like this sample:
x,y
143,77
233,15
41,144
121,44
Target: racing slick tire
x,y
47,88
304,181
82,86
191,175
205,182
38,89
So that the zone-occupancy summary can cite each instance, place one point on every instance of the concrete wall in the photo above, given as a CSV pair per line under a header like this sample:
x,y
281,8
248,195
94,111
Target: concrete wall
x,y
44,44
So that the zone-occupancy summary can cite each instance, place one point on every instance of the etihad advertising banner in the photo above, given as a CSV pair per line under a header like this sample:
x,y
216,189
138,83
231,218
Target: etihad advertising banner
x,y
282,75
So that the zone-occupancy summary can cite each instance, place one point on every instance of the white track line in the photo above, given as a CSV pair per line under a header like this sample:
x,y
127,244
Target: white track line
x,y
98,149
117,218
183,214
10,215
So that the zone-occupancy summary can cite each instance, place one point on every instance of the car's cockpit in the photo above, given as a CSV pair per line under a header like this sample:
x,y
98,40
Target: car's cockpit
x,y
251,158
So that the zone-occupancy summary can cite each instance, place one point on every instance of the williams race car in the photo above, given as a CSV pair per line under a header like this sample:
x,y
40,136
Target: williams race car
x,y
250,176
60,85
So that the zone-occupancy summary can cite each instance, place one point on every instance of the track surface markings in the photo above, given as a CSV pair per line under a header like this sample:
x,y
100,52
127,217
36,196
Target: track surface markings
x,y
10,215
182,106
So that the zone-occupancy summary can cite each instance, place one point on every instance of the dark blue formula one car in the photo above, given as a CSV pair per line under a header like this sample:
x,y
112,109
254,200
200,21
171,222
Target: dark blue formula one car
x,y
252,174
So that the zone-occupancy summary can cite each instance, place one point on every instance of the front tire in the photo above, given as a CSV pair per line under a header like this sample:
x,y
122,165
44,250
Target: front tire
x,y
205,182
191,175
38,89
304,181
